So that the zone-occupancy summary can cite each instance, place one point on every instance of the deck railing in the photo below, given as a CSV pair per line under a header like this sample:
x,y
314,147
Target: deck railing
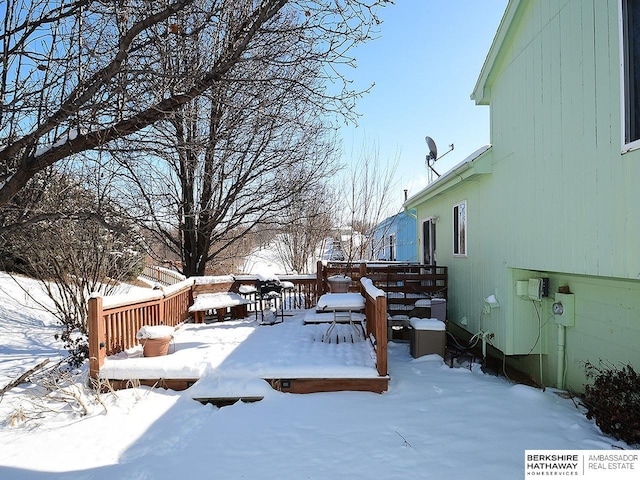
x,y
161,275
404,283
114,321
376,320
302,296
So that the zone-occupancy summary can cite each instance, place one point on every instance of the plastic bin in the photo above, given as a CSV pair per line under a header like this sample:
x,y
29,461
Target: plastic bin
x,y
428,336
430,308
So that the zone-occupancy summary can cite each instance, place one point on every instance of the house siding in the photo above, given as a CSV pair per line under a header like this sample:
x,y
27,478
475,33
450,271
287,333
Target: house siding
x,y
556,125
403,226
561,200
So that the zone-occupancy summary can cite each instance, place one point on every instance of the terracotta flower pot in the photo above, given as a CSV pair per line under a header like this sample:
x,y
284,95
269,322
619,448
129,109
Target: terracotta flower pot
x,y
155,347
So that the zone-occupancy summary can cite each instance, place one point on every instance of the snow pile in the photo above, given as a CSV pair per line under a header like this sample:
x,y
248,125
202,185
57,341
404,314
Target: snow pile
x,y
27,329
340,302
176,287
435,422
265,262
431,324
138,296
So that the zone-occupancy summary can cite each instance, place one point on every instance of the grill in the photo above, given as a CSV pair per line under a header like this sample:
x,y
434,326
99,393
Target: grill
x,y
268,294
268,288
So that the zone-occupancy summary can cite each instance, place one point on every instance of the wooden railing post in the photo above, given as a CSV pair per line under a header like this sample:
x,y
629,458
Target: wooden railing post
x,y
161,310
97,340
319,277
376,315
381,334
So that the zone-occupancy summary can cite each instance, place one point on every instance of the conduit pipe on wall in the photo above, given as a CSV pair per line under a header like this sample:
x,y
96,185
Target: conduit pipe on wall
x,y
561,351
485,337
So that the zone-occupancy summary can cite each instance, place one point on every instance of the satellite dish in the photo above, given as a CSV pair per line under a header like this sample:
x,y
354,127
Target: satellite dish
x,y
433,150
433,154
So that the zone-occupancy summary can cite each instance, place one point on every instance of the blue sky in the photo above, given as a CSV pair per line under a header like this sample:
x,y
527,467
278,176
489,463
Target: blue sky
x,y
425,64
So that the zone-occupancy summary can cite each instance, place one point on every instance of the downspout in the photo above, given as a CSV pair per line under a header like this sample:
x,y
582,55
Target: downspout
x,y
412,215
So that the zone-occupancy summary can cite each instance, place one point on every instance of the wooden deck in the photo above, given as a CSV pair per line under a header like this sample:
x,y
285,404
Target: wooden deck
x,y
236,360
113,323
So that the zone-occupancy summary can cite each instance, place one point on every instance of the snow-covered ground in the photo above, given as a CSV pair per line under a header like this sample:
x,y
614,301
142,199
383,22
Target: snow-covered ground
x,y
435,422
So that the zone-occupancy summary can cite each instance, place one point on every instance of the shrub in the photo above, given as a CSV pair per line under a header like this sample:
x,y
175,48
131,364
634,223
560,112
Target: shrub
x,y
74,242
613,400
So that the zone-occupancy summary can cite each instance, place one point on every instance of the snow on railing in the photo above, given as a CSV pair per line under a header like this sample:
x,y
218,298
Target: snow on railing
x,y
370,288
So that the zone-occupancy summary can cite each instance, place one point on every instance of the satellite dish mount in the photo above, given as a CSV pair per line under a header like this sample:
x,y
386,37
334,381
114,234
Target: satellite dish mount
x,y
432,156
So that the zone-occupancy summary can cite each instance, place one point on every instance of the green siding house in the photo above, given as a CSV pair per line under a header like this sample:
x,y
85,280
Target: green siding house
x,y
541,230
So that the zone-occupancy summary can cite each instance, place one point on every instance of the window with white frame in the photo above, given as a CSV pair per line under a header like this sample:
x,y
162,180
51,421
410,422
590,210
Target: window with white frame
x,y
630,48
460,229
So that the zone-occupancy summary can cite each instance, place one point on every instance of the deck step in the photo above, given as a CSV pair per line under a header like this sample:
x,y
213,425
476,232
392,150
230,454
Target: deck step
x,y
226,401
223,390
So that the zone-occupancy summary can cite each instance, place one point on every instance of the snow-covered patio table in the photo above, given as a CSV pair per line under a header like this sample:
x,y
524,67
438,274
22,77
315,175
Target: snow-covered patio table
x,y
340,302
343,306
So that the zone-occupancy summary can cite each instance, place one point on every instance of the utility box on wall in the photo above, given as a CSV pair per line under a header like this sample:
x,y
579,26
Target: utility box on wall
x,y
538,288
564,309
517,326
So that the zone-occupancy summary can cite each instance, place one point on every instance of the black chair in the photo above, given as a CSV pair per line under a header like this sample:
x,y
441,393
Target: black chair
x,y
269,295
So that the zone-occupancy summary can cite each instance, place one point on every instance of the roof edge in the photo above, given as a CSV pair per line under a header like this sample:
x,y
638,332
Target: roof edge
x,y
481,91
457,171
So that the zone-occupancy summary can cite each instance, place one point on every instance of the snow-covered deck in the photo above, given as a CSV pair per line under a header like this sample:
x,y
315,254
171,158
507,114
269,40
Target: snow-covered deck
x,y
228,357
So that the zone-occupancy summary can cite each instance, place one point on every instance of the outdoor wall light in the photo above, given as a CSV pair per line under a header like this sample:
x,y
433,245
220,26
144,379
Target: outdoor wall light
x,y
492,301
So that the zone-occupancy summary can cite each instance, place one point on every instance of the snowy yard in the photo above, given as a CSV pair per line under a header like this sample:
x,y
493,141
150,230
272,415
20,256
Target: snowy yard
x,y
434,422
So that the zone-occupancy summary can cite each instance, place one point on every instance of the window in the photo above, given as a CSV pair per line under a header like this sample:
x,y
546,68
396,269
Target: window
x,y
630,48
460,229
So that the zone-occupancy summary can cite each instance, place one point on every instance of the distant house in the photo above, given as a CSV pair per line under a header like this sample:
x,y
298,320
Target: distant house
x,y
394,239
541,231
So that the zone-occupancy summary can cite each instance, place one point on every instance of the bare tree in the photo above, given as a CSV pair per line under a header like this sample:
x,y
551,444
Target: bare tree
x,y
237,156
306,223
90,247
367,194
81,74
